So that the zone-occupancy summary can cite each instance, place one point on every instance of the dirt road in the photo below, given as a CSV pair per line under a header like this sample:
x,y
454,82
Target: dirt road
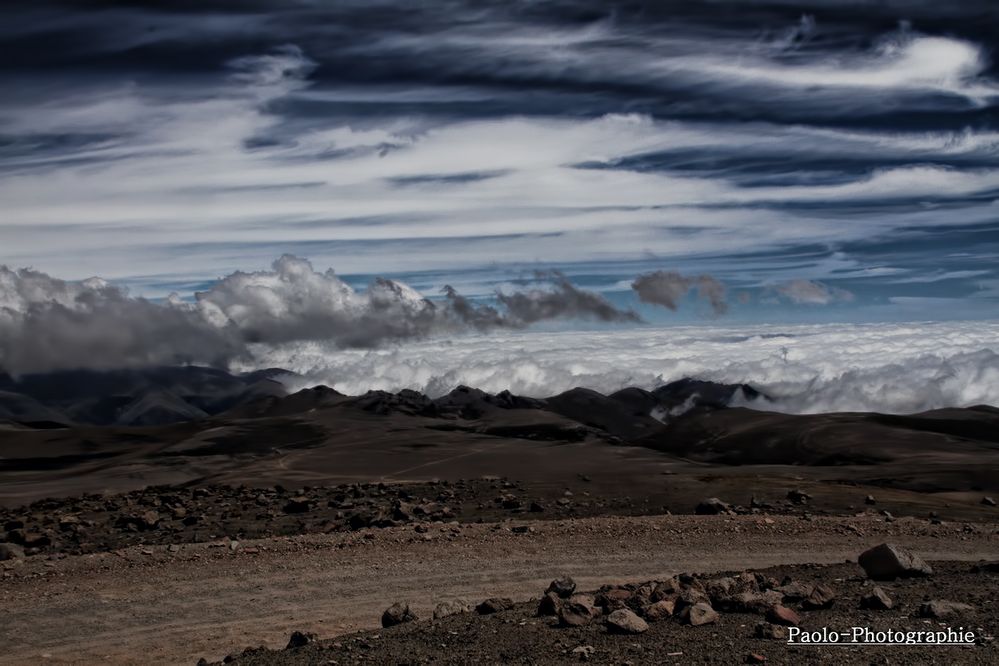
x,y
151,605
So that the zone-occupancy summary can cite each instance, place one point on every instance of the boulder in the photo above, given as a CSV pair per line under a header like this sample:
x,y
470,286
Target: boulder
x,y
820,596
494,605
564,587
577,611
699,614
300,639
624,621
878,599
11,551
451,607
783,615
889,561
397,613
712,506
549,605
941,609
659,610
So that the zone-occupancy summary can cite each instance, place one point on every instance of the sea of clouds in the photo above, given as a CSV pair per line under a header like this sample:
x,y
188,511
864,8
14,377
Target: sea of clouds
x,y
895,368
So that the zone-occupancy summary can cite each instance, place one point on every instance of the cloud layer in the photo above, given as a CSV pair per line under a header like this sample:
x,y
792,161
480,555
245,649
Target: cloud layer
x,y
894,368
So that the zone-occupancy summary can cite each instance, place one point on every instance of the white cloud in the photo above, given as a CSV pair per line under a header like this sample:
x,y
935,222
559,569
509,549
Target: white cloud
x,y
896,368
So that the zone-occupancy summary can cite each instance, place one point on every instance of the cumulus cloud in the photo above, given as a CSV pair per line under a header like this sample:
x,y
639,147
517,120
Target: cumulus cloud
x,y
808,292
668,288
562,301
48,324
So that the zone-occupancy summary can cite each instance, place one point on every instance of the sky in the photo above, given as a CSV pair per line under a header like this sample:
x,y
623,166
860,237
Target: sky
x,y
645,163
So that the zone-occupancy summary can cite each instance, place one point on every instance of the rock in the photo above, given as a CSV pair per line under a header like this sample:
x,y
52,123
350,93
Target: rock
x,y
769,631
564,587
870,500
792,590
623,621
798,497
754,658
988,501
783,615
700,614
750,602
584,652
297,505
878,599
941,609
451,607
537,507
712,506
300,639
397,613
613,598
577,611
820,596
889,561
549,605
666,589
494,605
11,551
659,610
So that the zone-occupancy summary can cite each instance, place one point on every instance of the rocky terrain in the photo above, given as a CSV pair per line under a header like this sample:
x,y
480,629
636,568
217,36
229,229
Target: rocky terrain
x,y
173,514
731,617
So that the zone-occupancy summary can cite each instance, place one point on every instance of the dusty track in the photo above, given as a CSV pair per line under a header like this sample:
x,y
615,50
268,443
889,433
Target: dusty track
x,y
153,606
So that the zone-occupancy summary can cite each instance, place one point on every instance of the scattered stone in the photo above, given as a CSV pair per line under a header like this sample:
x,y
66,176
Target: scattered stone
x,y
821,596
563,586
798,496
770,631
754,658
940,609
11,551
870,500
988,501
712,506
584,652
577,611
783,615
300,639
397,613
889,561
297,505
700,614
494,605
878,599
613,598
624,621
451,607
536,507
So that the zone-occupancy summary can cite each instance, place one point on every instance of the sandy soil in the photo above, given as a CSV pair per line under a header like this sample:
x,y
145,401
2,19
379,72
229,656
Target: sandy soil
x,y
146,604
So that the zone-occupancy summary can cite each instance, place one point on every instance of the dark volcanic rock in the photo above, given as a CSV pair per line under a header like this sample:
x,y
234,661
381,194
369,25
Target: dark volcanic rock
x,y
10,551
494,605
563,587
889,561
878,599
577,611
297,505
549,605
938,609
397,613
783,615
300,639
700,614
820,596
623,621
770,631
